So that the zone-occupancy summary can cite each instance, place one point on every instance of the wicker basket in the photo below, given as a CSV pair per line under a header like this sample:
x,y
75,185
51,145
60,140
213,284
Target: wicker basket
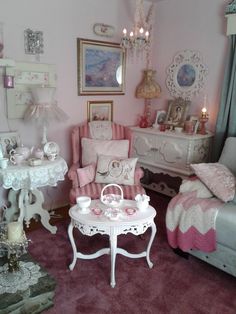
x,y
112,200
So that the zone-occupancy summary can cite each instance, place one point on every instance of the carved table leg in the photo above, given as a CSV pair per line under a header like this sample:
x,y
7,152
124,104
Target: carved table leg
x,y
72,241
113,246
30,204
13,209
154,229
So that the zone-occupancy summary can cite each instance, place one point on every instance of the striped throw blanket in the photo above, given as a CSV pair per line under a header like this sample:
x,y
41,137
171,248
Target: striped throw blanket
x,y
190,222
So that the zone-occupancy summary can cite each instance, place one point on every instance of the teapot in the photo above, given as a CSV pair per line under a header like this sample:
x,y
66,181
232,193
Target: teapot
x,y
23,150
38,153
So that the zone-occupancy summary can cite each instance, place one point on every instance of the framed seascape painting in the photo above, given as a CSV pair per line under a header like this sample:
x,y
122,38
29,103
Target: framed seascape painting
x,y
100,110
101,67
8,141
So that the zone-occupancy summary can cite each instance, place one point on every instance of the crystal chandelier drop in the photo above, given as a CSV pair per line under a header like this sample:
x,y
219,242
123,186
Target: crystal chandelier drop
x,y
139,37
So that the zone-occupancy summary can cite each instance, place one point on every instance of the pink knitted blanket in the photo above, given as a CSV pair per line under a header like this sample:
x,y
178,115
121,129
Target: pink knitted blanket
x,y
190,222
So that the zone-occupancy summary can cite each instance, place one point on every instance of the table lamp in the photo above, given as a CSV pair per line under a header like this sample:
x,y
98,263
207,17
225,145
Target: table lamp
x,y
44,108
148,89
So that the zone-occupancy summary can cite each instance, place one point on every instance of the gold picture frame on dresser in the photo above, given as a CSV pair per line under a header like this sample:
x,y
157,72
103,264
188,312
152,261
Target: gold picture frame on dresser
x,y
177,111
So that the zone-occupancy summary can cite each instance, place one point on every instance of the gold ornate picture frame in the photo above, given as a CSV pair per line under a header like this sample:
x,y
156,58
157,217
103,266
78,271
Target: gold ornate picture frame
x,y
101,67
100,110
177,111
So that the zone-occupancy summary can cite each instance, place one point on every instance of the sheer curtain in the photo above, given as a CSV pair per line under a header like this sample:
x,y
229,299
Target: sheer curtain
x,y
226,120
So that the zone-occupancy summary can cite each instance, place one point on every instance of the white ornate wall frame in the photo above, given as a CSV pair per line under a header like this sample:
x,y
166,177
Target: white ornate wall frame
x,y
27,75
187,74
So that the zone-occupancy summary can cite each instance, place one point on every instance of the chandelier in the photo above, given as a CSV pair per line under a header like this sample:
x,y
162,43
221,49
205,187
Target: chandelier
x,y
138,38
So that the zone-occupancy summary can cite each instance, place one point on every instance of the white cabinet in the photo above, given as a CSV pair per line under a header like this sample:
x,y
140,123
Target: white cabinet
x,y
168,153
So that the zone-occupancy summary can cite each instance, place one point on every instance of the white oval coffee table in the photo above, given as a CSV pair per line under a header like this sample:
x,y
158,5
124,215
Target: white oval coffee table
x,y
90,224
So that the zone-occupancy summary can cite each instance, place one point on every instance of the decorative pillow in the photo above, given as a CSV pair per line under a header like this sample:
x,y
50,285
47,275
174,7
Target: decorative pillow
x,y
217,178
195,185
86,175
92,148
118,170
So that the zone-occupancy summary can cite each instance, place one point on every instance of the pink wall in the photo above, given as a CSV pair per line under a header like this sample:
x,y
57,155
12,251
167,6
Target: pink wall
x,y
190,24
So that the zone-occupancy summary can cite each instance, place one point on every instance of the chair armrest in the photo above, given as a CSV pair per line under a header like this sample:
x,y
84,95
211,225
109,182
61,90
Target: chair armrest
x,y
72,175
139,173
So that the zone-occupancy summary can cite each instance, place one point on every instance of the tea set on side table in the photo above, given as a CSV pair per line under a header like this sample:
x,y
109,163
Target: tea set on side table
x,y
112,215
24,175
34,156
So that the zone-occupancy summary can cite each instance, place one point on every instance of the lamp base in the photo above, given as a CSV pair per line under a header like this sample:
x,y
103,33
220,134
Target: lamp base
x,y
203,122
147,112
44,138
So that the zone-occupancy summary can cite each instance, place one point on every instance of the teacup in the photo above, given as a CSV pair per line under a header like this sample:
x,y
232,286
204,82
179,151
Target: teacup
x,y
83,202
4,163
52,156
17,159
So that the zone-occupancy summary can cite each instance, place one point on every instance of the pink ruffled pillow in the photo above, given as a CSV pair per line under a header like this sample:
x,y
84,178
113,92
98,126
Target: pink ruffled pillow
x,y
86,175
218,178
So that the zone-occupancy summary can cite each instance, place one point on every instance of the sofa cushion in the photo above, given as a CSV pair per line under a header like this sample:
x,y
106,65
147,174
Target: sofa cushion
x,y
92,148
86,175
218,178
228,154
113,169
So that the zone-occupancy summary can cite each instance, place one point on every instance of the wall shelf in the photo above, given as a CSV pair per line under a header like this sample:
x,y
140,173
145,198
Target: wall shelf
x,y
7,62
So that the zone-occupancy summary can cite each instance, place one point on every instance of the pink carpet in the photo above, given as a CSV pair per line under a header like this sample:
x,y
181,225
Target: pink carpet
x,y
174,285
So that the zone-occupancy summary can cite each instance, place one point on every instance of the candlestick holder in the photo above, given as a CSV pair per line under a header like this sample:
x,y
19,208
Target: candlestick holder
x,y
203,122
14,249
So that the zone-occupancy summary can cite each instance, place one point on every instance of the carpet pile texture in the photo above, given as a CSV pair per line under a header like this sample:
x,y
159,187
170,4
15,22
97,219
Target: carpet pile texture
x,y
173,285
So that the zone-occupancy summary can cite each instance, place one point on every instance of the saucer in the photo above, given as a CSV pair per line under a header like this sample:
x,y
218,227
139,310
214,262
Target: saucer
x,y
84,210
130,211
96,211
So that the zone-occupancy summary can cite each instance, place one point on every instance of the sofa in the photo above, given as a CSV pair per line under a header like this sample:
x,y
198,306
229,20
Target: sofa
x,y
212,187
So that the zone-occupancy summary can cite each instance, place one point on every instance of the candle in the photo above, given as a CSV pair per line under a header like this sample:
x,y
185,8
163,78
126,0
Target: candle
x,y
147,35
141,31
14,231
204,113
124,32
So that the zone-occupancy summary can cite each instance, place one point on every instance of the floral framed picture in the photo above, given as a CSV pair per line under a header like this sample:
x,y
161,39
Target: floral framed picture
x,y
8,141
101,67
177,111
100,110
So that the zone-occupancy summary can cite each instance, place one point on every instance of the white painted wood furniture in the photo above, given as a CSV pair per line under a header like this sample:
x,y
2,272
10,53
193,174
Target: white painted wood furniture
x,y
24,182
90,224
169,153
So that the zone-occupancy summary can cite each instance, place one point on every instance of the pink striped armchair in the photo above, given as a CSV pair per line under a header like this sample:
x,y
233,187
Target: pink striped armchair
x,y
94,189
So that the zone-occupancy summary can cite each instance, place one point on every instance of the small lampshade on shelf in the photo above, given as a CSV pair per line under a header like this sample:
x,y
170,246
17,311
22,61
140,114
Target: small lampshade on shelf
x,y
148,89
44,109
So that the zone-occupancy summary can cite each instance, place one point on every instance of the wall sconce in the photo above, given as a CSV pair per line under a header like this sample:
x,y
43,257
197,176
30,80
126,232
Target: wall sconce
x,y
33,42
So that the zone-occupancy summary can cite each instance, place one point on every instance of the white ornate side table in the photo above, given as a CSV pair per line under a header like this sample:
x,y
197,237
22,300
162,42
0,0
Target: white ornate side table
x,y
90,224
25,197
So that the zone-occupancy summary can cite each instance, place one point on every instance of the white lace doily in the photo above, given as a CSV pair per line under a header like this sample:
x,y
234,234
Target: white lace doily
x,y
26,177
100,130
28,275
